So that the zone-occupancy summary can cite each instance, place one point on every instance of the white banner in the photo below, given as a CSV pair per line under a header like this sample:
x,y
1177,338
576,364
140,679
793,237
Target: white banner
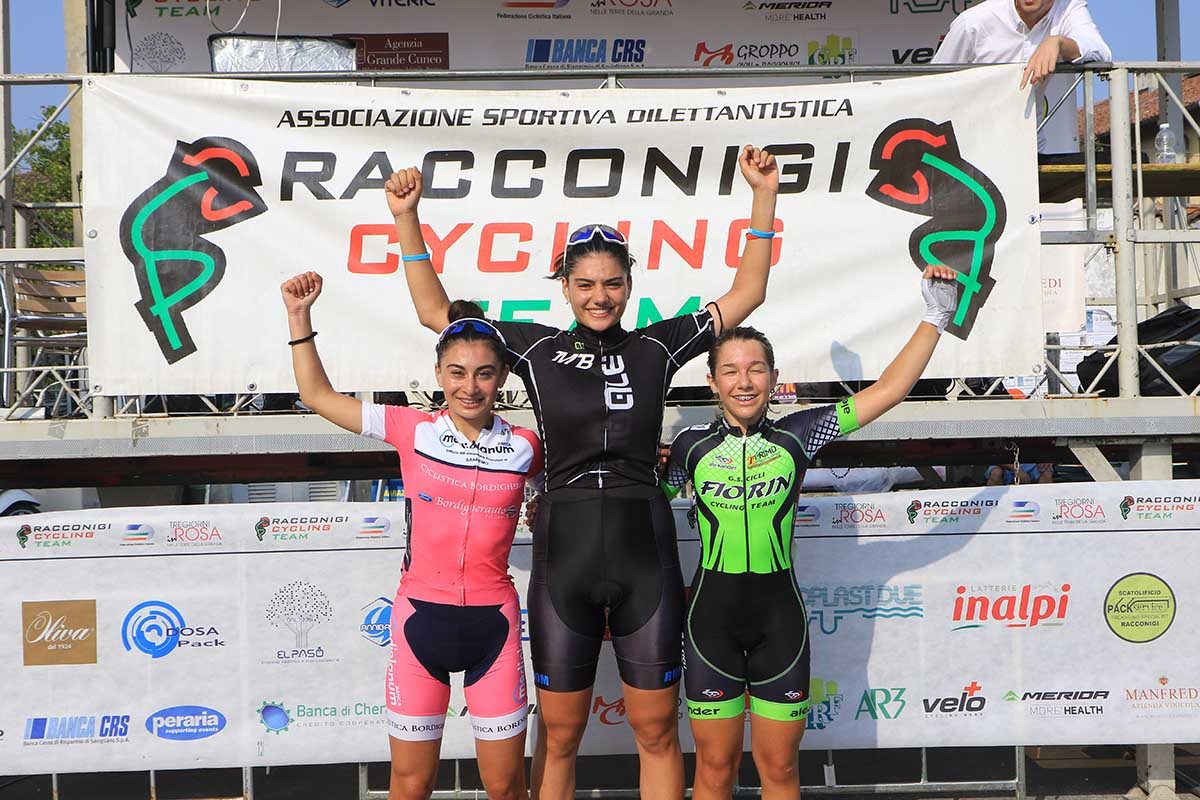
x,y
165,36
1048,614
174,35
1064,290
232,187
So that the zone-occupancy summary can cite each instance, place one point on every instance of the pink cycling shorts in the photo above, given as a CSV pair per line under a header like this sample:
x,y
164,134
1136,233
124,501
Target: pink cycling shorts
x,y
430,641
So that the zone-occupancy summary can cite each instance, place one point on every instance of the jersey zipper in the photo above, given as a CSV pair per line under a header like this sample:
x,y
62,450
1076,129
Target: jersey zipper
x,y
745,504
462,555
603,396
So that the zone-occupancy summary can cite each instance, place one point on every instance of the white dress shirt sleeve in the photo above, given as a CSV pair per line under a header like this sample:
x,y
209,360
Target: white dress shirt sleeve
x,y
1077,24
958,46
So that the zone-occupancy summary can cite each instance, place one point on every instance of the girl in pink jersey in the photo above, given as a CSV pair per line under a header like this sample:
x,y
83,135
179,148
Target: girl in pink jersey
x,y
456,609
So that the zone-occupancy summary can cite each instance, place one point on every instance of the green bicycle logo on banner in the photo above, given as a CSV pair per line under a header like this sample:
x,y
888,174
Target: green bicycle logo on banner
x,y
919,168
208,186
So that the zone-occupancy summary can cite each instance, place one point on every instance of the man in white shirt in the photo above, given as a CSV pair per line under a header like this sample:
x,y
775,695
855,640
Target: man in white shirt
x,y
1038,33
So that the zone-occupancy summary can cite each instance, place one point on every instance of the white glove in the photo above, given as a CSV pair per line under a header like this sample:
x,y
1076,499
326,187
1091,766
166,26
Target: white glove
x,y
941,301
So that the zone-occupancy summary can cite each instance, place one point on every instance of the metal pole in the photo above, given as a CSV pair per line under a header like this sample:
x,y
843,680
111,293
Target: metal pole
x,y
635,73
1069,95
1127,355
1089,146
6,123
1020,776
37,135
6,186
1054,359
21,353
364,791
75,31
1155,762
1167,22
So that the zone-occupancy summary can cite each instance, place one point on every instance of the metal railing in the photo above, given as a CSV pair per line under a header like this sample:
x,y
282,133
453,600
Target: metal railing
x,y
60,391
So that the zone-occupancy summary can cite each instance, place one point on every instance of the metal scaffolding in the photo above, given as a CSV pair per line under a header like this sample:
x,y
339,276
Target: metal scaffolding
x,y
51,415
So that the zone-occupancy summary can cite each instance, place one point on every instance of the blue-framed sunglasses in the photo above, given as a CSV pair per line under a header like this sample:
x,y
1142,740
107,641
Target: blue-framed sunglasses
x,y
589,232
481,326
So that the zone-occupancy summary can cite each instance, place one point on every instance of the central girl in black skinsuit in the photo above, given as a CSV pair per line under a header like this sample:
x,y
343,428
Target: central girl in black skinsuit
x,y
604,540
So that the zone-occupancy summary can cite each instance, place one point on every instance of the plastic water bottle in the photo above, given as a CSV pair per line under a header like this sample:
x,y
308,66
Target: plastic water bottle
x,y
1164,145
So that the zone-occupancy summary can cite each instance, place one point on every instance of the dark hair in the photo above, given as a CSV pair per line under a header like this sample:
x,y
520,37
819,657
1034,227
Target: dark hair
x,y
468,309
569,257
742,333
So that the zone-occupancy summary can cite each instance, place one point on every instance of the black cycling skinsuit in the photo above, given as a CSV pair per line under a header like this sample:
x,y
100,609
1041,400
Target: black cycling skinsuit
x,y
604,540
746,626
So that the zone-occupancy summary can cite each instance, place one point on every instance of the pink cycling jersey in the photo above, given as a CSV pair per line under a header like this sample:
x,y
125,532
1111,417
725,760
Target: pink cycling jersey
x,y
464,499
456,609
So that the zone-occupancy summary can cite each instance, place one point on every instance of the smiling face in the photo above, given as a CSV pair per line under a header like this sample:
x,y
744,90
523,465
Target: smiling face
x,y
471,374
598,289
743,381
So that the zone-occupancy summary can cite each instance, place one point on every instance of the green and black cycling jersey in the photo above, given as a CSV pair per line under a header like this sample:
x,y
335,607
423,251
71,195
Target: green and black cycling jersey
x,y
746,627
746,486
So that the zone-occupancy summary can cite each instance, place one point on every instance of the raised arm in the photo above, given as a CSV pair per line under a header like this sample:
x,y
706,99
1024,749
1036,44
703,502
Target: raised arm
x,y
299,293
403,191
901,375
749,287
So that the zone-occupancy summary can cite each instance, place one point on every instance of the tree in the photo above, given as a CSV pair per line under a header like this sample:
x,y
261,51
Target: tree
x,y
44,176
299,606
160,51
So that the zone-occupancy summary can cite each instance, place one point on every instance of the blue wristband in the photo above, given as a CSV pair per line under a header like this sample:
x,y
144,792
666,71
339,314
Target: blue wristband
x,y
761,234
415,257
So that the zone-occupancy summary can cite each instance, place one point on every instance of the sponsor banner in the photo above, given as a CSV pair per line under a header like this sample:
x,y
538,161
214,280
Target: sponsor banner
x,y
962,613
199,529
166,36
964,631
173,35
201,222
1064,289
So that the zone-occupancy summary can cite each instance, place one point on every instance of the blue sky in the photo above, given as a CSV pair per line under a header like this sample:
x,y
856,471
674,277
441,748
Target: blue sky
x,y
38,46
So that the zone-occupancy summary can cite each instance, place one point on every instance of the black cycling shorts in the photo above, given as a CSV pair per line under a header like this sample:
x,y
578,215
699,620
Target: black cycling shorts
x,y
605,556
746,631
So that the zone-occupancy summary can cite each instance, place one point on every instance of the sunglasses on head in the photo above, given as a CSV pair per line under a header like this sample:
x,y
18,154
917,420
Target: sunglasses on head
x,y
481,326
589,232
